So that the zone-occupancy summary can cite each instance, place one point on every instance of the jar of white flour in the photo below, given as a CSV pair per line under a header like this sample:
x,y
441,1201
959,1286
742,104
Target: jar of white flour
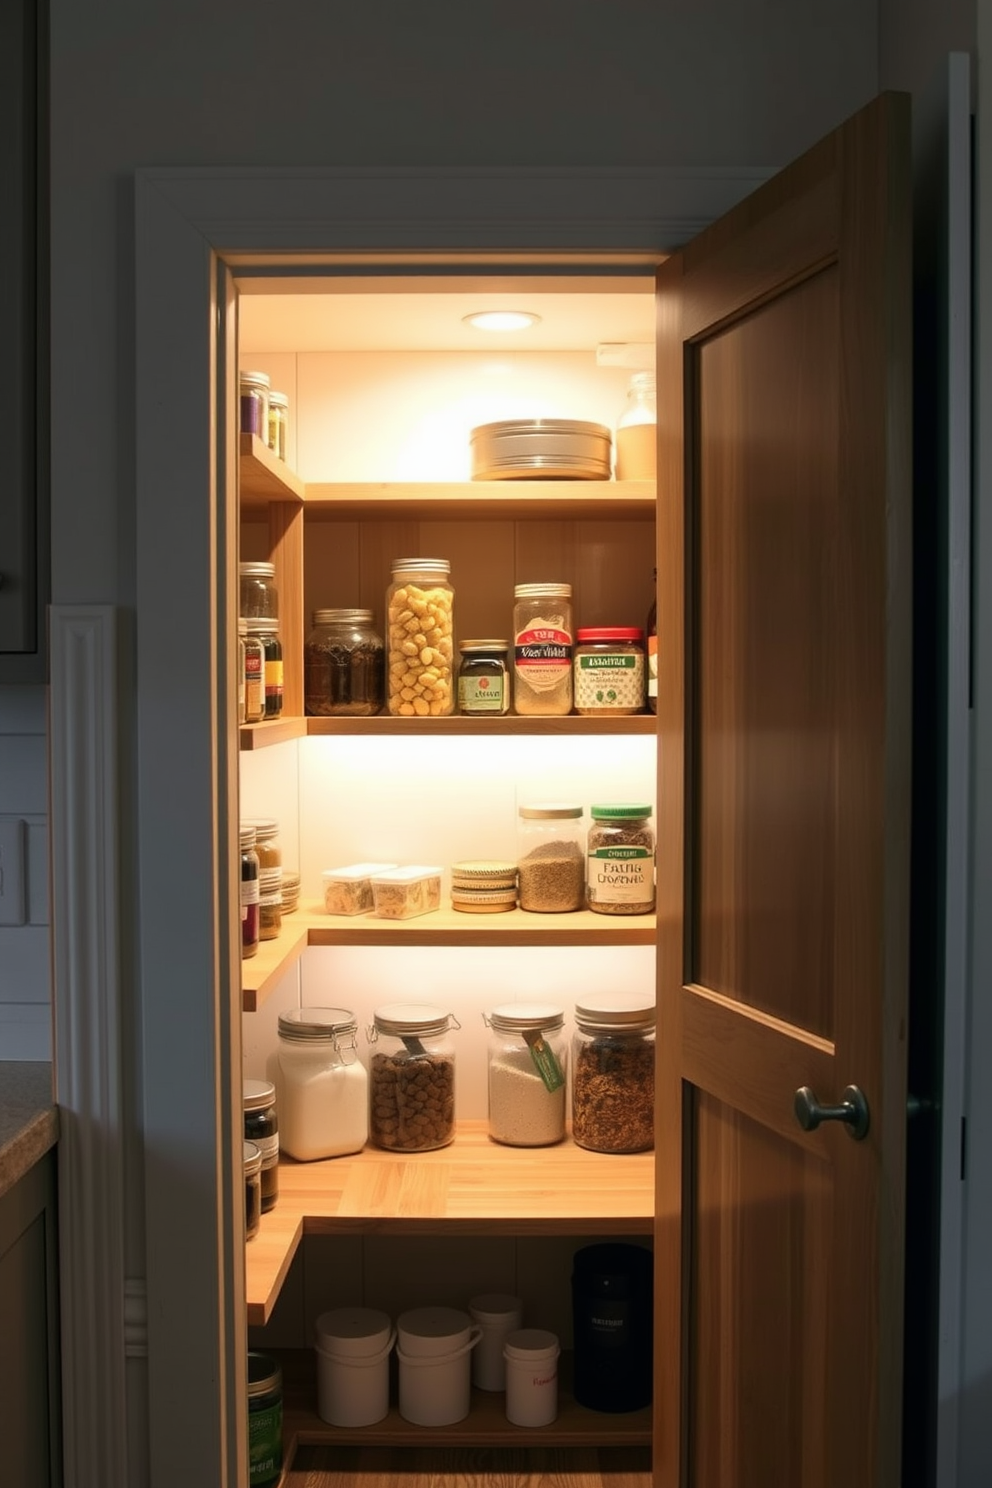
x,y
527,1057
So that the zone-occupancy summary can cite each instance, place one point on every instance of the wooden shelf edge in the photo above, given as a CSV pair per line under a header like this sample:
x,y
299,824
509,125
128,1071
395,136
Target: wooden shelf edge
x,y
573,724
467,499
263,476
277,731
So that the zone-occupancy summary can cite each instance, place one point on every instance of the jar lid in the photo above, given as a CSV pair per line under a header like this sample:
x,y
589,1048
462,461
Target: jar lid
x,y
312,1024
437,566
482,871
550,812
616,1011
247,836
342,617
516,1017
257,570
411,1018
490,645
254,379
609,633
252,1158
530,1344
353,1332
278,400
266,827
242,626
629,812
433,1330
489,1306
258,625
264,1374
258,1094
542,591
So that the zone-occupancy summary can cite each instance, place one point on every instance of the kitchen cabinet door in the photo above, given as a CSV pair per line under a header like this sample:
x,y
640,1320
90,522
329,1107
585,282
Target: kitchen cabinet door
x,y
784,573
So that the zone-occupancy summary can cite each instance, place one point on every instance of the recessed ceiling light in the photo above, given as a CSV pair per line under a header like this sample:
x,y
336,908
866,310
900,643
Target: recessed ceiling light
x,y
501,320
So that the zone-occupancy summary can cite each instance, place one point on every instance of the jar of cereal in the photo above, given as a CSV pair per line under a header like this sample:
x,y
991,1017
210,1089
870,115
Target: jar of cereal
x,y
613,1072
412,1074
420,639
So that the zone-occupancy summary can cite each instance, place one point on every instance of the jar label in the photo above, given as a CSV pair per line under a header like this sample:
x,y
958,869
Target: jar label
x,y
265,1443
545,1060
249,893
621,875
273,679
268,1147
481,694
609,680
543,656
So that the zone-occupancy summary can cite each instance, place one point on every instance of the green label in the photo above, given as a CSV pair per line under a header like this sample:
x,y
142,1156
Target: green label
x,y
621,663
545,1060
265,1444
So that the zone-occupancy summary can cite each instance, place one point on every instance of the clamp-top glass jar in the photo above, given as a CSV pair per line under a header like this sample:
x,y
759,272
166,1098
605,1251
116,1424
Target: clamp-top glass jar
x,y
344,665
322,1085
542,650
613,1072
527,1071
420,635
412,1077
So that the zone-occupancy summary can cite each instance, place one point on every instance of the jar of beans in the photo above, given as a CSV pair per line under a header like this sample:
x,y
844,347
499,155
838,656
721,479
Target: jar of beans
x,y
613,1072
412,1077
420,639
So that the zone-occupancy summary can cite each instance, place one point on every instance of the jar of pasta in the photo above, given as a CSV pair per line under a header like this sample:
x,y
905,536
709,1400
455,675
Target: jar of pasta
x,y
420,639
542,649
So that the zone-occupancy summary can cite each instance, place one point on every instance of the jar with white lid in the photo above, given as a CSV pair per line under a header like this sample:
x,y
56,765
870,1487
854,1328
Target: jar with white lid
x,y
527,1062
412,1077
531,1357
551,861
253,389
258,596
322,1084
613,1058
420,639
542,650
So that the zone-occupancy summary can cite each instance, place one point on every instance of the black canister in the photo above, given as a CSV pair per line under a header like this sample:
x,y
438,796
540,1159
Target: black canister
x,y
612,1318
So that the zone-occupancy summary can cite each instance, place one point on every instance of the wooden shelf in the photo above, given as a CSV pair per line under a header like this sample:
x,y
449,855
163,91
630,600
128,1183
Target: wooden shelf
x,y
264,477
575,500
278,730
473,1187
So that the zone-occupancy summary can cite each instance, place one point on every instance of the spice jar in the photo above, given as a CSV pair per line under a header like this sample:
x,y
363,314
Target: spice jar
x,y
412,1077
527,1064
254,678
637,430
277,423
323,1085
620,869
552,858
267,844
542,649
344,665
264,1420
420,634
483,680
613,1073
253,390
258,597
267,633
253,1188
269,903
249,892
262,1128
608,671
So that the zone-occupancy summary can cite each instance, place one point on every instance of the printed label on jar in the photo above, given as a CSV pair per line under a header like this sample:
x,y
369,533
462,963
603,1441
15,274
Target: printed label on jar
x,y
621,875
480,694
652,666
610,680
265,1443
273,679
249,893
543,656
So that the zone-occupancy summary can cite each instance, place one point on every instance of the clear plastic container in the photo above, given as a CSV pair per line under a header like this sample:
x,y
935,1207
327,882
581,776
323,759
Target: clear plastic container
x,y
551,858
527,1062
613,1049
259,598
542,650
404,893
322,1086
348,890
420,639
620,871
344,665
637,432
412,1077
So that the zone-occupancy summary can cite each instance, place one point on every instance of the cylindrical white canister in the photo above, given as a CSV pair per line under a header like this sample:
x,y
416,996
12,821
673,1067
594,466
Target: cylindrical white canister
x,y
497,1314
433,1347
531,1356
353,1345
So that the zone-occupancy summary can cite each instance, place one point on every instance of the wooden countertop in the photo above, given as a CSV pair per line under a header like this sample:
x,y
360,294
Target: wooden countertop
x,y
29,1118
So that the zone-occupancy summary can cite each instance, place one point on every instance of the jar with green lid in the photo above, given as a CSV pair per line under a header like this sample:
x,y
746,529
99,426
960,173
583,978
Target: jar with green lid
x,y
266,632
264,1420
277,423
613,1058
527,1063
420,637
412,1077
551,863
344,665
609,671
258,596
253,390
483,680
620,865
542,649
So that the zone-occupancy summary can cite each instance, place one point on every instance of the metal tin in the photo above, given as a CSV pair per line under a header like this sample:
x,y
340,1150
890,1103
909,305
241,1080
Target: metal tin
x,y
550,449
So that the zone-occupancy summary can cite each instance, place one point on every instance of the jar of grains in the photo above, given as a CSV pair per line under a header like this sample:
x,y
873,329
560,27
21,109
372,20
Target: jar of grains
x,y
412,1077
609,671
344,665
420,635
620,873
613,1073
551,858
527,1067
322,1084
542,649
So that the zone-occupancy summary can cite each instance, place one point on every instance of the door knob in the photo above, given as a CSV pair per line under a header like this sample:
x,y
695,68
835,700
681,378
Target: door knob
x,y
853,1111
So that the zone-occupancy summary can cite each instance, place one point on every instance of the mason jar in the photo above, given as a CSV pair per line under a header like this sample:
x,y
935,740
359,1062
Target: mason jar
x,y
249,892
344,665
420,637
542,649
412,1077
613,1049
253,391
322,1085
258,596
551,858
527,1066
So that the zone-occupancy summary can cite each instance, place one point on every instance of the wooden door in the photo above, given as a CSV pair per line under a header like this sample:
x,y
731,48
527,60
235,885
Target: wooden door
x,y
784,756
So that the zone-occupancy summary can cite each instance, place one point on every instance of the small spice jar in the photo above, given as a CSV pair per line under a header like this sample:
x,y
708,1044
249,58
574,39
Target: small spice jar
x,y
254,677
420,634
267,634
277,423
249,892
253,1189
527,1062
253,389
609,671
552,858
483,679
323,1085
620,869
258,596
264,1420
542,649
344,665
262,1128
267,844
412,1077
269,903
613,1073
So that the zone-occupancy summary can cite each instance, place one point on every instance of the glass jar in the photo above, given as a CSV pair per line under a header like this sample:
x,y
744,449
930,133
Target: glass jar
x,y
542,650
620,869
253,1189
277,423
254,678
483,680
259,598
637,431
420,636
652,633
322,1084
264,1420
253,389
412,1077
609,671
266,633
269,903
262,1128
242,636
344,665
527,1062
249,892
267,844
551,858
613,1073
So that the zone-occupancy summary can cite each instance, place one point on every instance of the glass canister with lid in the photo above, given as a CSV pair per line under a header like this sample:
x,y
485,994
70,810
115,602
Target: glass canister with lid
x,y
527,1061
344,665
613,1048
483,679
420,636
322,1085
259,598
551,865
620,874
412,1077
542,649
253,391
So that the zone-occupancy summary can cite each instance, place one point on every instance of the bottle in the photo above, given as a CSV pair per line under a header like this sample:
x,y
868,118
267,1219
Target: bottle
x,y
420,636
266,632
651,628
637,430
542,650
262,1127
249,892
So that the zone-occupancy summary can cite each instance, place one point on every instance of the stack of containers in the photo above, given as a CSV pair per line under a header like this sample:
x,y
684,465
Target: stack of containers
x,y
483,885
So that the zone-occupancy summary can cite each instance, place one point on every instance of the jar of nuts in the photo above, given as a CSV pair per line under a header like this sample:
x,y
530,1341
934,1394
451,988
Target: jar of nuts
x,y
420,639
412,1077
613,1072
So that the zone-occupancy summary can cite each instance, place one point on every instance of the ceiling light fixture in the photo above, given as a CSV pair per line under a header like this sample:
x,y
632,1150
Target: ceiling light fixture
x,y
501,320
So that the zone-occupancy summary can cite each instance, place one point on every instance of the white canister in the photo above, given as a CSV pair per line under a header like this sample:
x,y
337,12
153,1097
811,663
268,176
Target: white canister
x,y
353,1345
531,1356
433,1347
497,1314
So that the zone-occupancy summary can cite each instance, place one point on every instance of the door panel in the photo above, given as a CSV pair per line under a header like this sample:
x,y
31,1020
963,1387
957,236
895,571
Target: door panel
x,y
784,729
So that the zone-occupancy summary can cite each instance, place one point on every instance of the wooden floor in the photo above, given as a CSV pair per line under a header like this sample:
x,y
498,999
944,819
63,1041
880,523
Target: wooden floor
x,y
469,1467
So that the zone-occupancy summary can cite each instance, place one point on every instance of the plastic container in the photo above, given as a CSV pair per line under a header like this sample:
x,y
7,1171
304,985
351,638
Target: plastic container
x,y
637,431
531,1357
608,671
259,598
322,1086
261,1126
264,1420
353,1345
403,893
420,637
613,1059
551,860
348,890
620,867
253,389
612,1318
542,650
527,1067
497,1314
412,1077
433,1347
344,665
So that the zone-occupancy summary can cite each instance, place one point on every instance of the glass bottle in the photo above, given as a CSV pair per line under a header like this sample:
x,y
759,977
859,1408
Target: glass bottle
x,y
483,680
242,682
253,388
412,1077
542,650
322,1084
277,423
259,598
262,1127
266,632
527,1064
344,665
254,678
613,1048
551,862
620,870
637,432
420,637
249,892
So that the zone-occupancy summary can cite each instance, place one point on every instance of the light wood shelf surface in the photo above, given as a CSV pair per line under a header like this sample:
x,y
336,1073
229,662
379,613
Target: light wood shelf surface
x,y
473,1187
264,477
278,730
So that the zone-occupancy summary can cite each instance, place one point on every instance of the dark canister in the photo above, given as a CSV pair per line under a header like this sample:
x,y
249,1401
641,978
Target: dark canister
x,y
262,1128
612,1326
264,1420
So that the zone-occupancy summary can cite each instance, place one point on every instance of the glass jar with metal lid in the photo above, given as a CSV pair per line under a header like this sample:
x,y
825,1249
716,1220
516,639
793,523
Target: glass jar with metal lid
x,y
249,892
259,598
322,1084
483,679
609,671
542,650
253,1188
253,389
613,1049
266,633
267,844
344,665
412,1077
262,1128
620,868
264,1420
551,862
527,1062
277,423
254,677
420,636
